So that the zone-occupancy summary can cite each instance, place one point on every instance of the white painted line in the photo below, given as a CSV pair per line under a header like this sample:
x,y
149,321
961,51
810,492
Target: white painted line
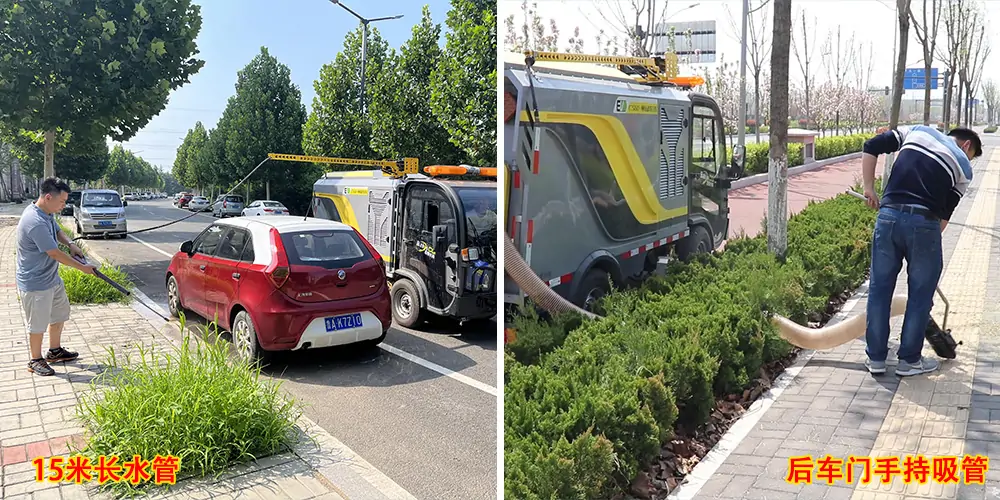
x,y
341,465
151,247
440,369
702,472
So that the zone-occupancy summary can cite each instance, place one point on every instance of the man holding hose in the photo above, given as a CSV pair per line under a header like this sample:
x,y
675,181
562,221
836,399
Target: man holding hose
x,y
43,294
928,178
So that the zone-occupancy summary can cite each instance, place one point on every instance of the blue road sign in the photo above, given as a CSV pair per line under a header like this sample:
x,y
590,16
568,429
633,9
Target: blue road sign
x,y
913,78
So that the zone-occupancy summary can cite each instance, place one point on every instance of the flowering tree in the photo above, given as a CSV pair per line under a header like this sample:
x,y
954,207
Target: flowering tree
x,y
724,86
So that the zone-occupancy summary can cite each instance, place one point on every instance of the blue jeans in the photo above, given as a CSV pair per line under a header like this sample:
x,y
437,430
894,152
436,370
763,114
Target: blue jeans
x,y
900,235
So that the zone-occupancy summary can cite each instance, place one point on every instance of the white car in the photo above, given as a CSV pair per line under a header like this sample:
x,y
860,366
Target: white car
x,y
264,207
199,204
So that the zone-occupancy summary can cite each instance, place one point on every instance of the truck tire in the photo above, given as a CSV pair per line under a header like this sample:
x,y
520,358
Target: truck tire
x,y
594,286
406,308
699,241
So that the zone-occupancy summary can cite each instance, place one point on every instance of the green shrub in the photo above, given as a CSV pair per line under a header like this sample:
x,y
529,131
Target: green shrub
x,y
662,353
193,403
535,337
88,289
990,129
826,147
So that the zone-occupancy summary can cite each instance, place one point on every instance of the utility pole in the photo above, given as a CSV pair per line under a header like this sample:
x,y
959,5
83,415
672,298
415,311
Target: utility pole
x,y
364,43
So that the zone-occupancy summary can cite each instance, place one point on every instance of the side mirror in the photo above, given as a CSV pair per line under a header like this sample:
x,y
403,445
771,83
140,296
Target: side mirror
x,y
188,248
736,169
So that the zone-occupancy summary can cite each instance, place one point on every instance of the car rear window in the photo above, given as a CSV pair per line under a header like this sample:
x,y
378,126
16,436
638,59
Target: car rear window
x,y
235,199
330,249
272,204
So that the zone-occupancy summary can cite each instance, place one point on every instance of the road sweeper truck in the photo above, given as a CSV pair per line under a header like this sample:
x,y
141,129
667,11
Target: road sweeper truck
x,y
613,164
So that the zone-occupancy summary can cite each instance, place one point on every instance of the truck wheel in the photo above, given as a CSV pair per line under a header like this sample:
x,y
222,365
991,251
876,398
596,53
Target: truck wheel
x,y
406,310
593,288
699,241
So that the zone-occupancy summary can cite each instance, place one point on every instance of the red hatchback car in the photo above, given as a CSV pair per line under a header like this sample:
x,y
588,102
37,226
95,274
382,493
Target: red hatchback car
x,y
283,283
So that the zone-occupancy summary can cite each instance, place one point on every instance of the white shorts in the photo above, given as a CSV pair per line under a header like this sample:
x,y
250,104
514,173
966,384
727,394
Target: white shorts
x,y
46,307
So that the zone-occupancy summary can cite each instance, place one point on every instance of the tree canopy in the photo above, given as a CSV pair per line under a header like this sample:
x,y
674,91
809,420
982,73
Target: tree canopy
x,y
464,84
99,68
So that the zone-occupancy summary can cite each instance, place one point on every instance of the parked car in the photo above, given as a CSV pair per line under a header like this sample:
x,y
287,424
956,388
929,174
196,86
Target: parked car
x,y
101,211
73,199
228,206
183,200
264,207
199,204
283,283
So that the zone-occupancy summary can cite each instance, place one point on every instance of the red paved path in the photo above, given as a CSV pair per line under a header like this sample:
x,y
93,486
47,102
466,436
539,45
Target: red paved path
x,y
748,206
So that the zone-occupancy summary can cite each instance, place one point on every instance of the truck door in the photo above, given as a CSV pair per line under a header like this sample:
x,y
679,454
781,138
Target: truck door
x,y
430,227
709,196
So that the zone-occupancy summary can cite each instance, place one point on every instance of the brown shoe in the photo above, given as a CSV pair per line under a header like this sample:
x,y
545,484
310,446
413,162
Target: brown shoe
x,y
40,367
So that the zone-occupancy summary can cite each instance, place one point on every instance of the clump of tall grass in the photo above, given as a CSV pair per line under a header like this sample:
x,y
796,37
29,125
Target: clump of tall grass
x,y
195,402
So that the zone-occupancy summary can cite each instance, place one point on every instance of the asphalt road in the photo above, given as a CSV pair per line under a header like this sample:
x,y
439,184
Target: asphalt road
x,y
433,435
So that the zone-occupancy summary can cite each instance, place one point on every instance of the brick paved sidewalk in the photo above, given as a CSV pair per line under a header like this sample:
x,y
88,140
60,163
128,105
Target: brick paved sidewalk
x,y
829,404
748,205
37,413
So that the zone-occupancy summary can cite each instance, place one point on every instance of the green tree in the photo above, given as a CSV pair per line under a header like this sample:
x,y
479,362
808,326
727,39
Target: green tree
x,y
402,121
187,166
265,115
83,160
464,84
99,68
337,127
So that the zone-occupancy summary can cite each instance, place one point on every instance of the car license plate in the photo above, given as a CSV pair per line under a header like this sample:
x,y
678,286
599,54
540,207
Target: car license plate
x,y
343,322
104,223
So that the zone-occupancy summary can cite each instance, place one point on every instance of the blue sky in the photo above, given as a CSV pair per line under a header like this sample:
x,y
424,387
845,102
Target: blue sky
x,y
302,34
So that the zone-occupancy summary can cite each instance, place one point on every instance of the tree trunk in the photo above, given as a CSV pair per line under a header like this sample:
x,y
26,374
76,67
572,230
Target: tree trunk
x,y
267,190
50,149
777,165
958,101
903,15
927,86
756,106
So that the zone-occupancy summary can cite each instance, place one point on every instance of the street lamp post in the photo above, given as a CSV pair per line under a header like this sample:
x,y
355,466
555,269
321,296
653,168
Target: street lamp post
x,y
364,42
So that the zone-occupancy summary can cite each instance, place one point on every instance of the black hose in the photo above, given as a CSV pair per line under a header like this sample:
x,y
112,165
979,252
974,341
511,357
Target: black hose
x,y
182,219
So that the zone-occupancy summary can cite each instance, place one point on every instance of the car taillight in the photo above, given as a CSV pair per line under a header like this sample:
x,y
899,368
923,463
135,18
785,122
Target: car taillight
x,y
377,256
223,203
277,271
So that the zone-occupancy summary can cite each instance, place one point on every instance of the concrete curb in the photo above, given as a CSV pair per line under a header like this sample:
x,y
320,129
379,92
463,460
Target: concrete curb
x,y
341,469
761,178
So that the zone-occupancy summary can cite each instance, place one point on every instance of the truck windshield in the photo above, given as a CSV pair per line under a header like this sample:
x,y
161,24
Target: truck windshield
x,y
101,200
480,205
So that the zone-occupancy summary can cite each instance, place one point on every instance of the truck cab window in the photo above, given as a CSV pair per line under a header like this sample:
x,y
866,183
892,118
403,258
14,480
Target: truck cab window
x,y
705,140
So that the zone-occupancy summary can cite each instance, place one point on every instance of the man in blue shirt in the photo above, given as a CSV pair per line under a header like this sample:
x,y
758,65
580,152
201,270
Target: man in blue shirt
x,y
43,295
928,178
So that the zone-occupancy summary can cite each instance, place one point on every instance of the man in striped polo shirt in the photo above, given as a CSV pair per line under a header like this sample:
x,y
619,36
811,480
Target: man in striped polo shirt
x,y
928,178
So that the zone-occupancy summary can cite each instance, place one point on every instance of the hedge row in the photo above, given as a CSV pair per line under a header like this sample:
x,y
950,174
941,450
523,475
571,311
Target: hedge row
x,y
826,147
589,402
990,129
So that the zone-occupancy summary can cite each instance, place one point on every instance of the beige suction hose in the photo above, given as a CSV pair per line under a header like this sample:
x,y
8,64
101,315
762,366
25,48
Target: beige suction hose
x,y
533,286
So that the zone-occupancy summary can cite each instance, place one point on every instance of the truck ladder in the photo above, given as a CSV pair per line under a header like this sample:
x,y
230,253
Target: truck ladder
x,y
650,70
395,168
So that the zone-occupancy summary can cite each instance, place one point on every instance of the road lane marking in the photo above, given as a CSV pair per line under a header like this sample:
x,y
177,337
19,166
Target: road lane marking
x,y
440,369
151,247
